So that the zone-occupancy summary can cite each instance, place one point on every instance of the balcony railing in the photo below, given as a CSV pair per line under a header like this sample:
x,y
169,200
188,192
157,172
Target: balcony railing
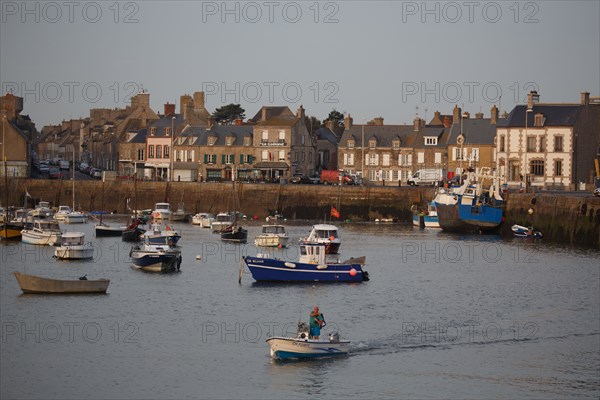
x,y
267,143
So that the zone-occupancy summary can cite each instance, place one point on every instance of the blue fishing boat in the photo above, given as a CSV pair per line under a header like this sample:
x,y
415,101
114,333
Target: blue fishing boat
x,y
314,265
427,219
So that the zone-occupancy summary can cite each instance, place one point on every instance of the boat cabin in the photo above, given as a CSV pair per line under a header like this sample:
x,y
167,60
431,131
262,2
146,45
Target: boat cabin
x,y
273,230
224,217
316,254
73,239
162,207
46,226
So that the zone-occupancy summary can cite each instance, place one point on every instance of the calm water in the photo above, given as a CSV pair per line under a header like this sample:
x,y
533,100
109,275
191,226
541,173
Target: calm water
x,y
443,316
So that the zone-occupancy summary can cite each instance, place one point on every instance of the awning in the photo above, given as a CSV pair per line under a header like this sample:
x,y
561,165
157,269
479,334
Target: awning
x,y
266,165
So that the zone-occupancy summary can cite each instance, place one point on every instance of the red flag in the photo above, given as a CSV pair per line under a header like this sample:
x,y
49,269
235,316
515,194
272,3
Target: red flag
x,y
335,213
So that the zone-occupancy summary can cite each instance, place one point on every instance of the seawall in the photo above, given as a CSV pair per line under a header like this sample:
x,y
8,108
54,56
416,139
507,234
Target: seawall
x,y
569,218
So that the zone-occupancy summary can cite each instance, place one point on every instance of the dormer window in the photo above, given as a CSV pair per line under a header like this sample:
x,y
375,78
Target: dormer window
x,y
229,141
167,131
152,131
246,141
350,144
539,120
430,141
372,143
396,144
212,140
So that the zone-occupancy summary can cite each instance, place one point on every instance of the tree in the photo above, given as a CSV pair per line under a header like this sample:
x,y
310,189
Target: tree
x,y
338,121
226,115
312,124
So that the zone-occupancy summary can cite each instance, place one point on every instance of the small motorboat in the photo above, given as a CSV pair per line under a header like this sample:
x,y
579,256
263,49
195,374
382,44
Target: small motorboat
x,y
180,215
526,232
10,231
42,232
37,284
203,219
222,221
234,233
324,234
103,230
272,236
42,210
158,253
62,213
303,347
314,265
426,219
76,217
73,247
162,211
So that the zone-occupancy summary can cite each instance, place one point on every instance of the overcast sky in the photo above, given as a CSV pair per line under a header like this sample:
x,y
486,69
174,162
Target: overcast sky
x,y
369,58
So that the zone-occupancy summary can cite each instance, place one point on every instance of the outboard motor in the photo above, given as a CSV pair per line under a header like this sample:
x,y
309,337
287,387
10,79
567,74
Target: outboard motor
x,y
303,331
334,337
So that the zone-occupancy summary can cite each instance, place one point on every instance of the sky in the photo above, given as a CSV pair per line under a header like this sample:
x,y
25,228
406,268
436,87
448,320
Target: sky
x,y
394,59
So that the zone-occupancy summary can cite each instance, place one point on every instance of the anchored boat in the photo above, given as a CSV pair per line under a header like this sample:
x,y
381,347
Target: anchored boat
x,y
326,235
272,236
37,284
43,232
73,247
313,266
526,232
158,253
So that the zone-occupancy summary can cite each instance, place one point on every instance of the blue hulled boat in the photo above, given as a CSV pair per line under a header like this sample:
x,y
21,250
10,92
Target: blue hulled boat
x,y
427,219
158,253
313,266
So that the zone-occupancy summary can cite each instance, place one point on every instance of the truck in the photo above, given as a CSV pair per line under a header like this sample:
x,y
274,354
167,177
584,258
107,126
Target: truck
x,y
427,176
332,177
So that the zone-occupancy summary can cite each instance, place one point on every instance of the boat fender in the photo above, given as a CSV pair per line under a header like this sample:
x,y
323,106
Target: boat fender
x,y
289,265
322,266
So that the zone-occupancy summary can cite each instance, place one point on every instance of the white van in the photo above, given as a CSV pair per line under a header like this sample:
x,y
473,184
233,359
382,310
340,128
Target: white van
x,y
426,177
64,164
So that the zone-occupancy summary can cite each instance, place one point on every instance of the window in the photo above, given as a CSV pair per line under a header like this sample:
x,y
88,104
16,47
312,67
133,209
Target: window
x,y
281,136
176,155
167,131
212,140
542,144
151,151
350,144
558,168
558,143
404,159
229,141
386,160
166,151
349,159
420,157
229,159
537,167
385,175
158,151
372,144
396,145
265,155
246,141
140,154
191,156
431,141
502,143
265,136
152,131
438,158
531,144
459,154
184,154
395,175
373,159
282,155
539,120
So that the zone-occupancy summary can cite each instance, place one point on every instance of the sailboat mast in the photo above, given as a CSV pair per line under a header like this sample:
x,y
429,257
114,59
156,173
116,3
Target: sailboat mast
x,y
73,176
5,194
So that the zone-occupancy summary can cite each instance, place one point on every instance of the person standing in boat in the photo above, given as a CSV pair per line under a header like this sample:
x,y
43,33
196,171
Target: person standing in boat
x,y
317,321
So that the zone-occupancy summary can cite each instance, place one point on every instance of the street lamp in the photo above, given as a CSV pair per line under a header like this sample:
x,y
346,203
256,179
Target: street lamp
x,y
171,150
362,147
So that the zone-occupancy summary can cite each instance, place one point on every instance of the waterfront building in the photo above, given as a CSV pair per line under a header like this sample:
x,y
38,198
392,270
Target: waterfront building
x,y
17,132
549,145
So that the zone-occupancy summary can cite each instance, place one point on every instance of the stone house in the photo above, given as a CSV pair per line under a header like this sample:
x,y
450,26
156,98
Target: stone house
x,y
17,134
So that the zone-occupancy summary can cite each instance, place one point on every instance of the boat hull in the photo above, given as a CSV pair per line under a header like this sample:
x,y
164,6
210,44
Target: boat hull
x,y
525,233
271,241
273,270
44,239
39,285
237,236
156,261
292,348
76,219
74,252
108,231
132,235
10,232
429,221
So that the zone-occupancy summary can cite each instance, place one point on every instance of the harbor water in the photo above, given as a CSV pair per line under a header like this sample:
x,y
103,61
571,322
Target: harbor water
x,y
443,316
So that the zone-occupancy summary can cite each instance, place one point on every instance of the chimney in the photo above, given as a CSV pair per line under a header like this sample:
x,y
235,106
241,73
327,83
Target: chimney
x,y
479,115
329,124
466,115
532,98
239,122
184,100
378,121
417,124
447,121
585,98
169,109
264,113
456,113
209,123
198,101
300,112
494,116
348,122
188,111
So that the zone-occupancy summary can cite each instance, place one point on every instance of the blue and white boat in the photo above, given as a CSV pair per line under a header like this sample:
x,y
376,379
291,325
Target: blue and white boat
x,y
313,266
157,253
303,347
525,232
427,219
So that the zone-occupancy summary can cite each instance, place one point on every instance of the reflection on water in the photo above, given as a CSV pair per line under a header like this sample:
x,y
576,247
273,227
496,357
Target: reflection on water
x,y
443,316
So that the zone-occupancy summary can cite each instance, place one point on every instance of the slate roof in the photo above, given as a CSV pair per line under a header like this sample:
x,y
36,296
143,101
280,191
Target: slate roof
x,y
385,135
221,132
140,137
324,133
166,122
476,131
555,114
276,111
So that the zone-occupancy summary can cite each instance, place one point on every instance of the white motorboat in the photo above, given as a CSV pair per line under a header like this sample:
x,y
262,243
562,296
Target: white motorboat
x,y
303,347
324,234
73,247
76,217
222,221
42,232
162,211
272,236
62,213
42,210
203,219
158,253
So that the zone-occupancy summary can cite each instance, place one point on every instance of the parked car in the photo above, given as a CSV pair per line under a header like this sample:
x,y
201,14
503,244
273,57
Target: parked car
x,y
597,192
83,166
43,167
299,178
55,173
64,164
